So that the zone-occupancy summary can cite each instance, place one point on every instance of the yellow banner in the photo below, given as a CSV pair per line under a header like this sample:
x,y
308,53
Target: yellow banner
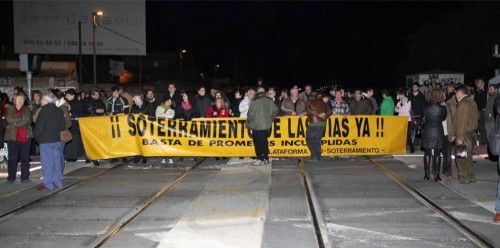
x,y
106,137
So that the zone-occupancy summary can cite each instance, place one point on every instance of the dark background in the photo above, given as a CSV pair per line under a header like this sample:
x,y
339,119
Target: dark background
x,y
355,44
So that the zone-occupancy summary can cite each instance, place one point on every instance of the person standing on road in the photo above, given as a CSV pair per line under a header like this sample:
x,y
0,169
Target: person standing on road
x,y
317,114
433,132
202,100
369,96
489,114
245,103
496,219
339,106
387,105
293,105
418,103
50,124
18,133
166,111
139,107
403,108
74,149
480,97
218,110
359,105
464,125
261,115
451,109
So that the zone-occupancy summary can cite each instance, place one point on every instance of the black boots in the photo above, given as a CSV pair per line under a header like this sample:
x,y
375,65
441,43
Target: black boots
x,y
427,165
434,157
436,165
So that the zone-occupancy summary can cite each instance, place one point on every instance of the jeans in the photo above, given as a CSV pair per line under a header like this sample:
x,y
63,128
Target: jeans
x,y
261,144
50,155
18,152
313,138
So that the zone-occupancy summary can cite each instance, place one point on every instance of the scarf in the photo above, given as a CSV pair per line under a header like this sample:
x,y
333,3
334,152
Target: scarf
x,y
21,134
186,105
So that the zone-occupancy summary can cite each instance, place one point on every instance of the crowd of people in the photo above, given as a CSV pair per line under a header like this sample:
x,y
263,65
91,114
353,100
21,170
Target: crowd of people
x,y
442,119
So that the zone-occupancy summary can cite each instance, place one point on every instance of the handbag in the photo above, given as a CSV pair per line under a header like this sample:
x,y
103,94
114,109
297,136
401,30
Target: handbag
x,y
66,136
460,151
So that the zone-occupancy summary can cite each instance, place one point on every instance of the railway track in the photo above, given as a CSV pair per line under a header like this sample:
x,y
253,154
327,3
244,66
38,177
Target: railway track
x,y
123,222
321,230
65,187
475,237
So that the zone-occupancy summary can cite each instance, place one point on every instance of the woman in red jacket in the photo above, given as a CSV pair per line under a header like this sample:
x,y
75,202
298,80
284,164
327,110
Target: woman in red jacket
x,y
218,110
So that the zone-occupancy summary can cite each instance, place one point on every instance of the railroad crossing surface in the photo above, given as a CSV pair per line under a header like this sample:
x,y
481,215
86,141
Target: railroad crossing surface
x,y
339,202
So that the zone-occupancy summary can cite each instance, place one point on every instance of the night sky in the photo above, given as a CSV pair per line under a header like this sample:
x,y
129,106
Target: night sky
x,y
359,44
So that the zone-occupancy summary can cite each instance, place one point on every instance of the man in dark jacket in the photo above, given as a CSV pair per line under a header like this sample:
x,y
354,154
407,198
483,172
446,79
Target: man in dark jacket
x,y
317,114
50,124
116,104
202,101
261,115
480,97
139,107
464,124
151,103
418,104
359,105
174,95
93,105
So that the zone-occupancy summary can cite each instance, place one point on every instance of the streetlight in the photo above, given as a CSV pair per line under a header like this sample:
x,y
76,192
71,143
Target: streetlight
x,y
95,18
181,52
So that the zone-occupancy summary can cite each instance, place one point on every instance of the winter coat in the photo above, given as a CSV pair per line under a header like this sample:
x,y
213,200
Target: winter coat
x,y
150,108
451,109
387,106
374,103
314,108
65,107
261,113
136,109
466,118
50,124
164,112
213,112
362,107
12,122
489,112
118,106
433,133
403,108
90,105
418,104
187,115
202,103
287,106
243,106
76,111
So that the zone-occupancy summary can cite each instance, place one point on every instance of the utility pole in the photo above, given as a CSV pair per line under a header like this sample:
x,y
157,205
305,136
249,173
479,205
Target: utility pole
x,y
95,15
80,61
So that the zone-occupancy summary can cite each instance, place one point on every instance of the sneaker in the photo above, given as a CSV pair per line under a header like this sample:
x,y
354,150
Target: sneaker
x,y
496,219
163,161
170,161
266,162
9,182
258,162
